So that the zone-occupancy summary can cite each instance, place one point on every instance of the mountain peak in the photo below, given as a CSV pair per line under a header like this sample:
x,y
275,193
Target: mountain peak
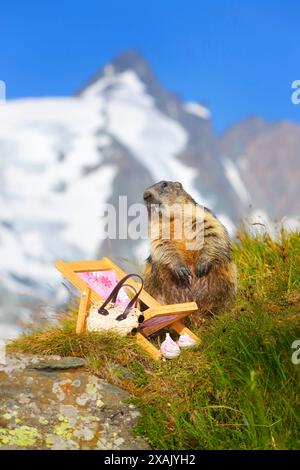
x,y
134,61
131,59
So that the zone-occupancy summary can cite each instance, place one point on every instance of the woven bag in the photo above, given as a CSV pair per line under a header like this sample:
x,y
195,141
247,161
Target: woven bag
x,y
109,316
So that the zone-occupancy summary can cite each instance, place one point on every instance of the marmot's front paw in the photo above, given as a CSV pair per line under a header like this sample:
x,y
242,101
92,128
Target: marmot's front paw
x,y
203,268
183,275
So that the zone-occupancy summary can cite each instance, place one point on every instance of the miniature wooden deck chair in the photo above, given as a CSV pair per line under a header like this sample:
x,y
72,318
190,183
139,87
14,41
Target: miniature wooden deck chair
x,y
83,275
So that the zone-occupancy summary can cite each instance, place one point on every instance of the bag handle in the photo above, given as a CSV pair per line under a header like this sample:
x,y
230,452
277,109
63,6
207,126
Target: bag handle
x,y
114,294
133,301
117,293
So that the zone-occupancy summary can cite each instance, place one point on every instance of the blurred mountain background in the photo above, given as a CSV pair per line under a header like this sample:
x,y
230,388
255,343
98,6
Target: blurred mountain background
x,y
62,157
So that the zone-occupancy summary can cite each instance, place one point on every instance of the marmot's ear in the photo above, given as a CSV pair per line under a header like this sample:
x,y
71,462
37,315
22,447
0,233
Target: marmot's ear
x,y
178,185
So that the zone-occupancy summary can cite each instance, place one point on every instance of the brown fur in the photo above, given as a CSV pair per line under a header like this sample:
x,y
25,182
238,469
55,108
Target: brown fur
x,y
181,270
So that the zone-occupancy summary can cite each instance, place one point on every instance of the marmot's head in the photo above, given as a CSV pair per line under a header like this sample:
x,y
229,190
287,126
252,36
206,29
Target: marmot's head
x,y
166,193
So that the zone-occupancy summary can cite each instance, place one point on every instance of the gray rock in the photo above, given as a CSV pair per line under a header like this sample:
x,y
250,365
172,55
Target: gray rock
x,y
58,363
62,408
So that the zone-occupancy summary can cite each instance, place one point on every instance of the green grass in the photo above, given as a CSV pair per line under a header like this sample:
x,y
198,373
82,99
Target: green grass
x,y
239,389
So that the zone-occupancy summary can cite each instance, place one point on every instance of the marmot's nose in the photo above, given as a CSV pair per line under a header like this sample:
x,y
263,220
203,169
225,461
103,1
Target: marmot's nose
x,y
147,194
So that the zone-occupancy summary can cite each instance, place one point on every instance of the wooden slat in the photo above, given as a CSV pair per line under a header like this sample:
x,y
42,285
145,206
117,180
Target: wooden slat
x,y
83,310
72,277
180,328
69,274
162,310
145,344
88,265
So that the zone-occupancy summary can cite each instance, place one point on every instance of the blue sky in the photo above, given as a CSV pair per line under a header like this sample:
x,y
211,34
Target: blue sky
x,y
239,57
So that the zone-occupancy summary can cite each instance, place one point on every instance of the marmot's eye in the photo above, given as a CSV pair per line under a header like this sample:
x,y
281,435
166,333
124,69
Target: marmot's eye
x,y
164,184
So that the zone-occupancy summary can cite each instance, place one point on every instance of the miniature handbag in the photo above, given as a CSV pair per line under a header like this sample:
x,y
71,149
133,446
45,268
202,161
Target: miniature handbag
x,y
111,316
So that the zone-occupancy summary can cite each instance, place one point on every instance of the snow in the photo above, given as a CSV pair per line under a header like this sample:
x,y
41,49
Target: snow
x,y
291,224
197,109
48,224
233,175
154,139
45,144
258,223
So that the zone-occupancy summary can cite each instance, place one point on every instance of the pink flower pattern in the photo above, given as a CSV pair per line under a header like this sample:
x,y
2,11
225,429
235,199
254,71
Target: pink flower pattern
x,y
103,283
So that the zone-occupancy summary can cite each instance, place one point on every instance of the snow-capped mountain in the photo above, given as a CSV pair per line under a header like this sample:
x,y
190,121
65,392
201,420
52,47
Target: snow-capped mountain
x,y
61,158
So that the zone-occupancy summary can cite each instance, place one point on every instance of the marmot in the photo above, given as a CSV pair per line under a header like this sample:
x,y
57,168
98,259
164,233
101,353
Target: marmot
x,y
197,265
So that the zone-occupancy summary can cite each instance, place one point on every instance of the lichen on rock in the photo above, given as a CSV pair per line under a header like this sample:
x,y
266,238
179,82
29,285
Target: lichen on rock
x,y
60,408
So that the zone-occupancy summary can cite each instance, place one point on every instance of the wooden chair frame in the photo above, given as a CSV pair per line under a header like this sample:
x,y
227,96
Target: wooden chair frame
x,y
173,313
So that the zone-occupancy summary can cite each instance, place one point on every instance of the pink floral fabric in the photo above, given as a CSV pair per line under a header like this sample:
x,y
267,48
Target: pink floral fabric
x,y
103,283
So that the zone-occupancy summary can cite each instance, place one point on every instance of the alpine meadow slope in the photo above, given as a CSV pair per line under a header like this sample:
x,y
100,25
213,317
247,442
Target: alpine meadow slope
x,y
239,389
